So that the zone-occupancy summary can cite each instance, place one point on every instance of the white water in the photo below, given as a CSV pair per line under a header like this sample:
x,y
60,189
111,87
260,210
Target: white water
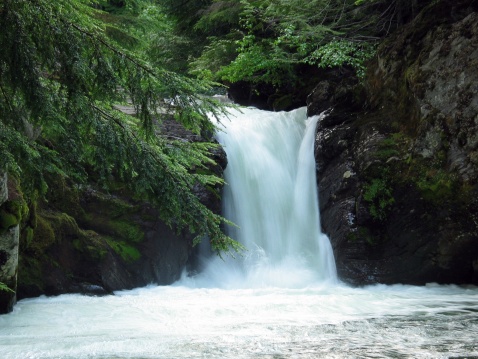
x,y
271,195
280,301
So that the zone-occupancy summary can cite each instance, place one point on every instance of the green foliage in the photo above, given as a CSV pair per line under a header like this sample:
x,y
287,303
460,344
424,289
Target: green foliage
x,y
276,37
5,288
436,185
259,63
11,213
343,52
219,17
91,244
214,56
62,71
123,249
379,196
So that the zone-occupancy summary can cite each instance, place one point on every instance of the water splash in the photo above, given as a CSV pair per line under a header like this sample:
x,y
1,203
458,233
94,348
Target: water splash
x,y
271,194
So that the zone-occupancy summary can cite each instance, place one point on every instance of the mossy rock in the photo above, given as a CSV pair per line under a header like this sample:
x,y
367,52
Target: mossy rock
x,y
28,234
63,224
90,243
127,230
363,234
97,246
63,197
112,206
281,102
7,220
11,214
126,251
118,228
43,236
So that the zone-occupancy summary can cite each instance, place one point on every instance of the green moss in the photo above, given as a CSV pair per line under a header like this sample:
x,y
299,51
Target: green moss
x,y
118,228
63,224
7,220
43,236
378,193
28,233
113,206
392,146
112,217
437,186
63,197
127,252
11,214
51,227
92,244
130,232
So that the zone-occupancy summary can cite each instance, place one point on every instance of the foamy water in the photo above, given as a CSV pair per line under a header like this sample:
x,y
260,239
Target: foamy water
x,y
187,322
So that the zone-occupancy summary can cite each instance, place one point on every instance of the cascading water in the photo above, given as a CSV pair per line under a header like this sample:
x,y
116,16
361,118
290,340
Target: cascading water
x,y
279,300
271,195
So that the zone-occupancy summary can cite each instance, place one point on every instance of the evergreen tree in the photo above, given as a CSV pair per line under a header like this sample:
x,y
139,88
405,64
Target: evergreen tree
x,y
64,65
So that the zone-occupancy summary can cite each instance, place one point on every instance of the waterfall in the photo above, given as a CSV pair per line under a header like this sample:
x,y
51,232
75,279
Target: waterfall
x,y
272,302
271,195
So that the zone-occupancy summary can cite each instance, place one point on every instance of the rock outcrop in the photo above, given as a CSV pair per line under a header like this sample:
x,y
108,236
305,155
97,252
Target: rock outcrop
x,y
89,241
9,240
398,155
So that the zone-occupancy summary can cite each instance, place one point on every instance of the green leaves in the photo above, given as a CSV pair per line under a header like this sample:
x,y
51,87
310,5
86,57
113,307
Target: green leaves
x,y
343,52
5,288
61,76
276,38
378,194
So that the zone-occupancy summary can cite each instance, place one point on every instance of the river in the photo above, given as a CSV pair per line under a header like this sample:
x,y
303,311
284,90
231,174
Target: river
x,y
279,299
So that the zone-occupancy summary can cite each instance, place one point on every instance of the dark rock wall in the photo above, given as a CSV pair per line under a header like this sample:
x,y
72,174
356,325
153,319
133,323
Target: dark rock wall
x,y
397,156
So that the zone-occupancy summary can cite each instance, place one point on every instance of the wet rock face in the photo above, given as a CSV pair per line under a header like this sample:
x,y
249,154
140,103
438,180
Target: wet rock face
x,y
398,173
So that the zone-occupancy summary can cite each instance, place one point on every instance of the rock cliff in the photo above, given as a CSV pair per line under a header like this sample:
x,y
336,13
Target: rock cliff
x,y
397,156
